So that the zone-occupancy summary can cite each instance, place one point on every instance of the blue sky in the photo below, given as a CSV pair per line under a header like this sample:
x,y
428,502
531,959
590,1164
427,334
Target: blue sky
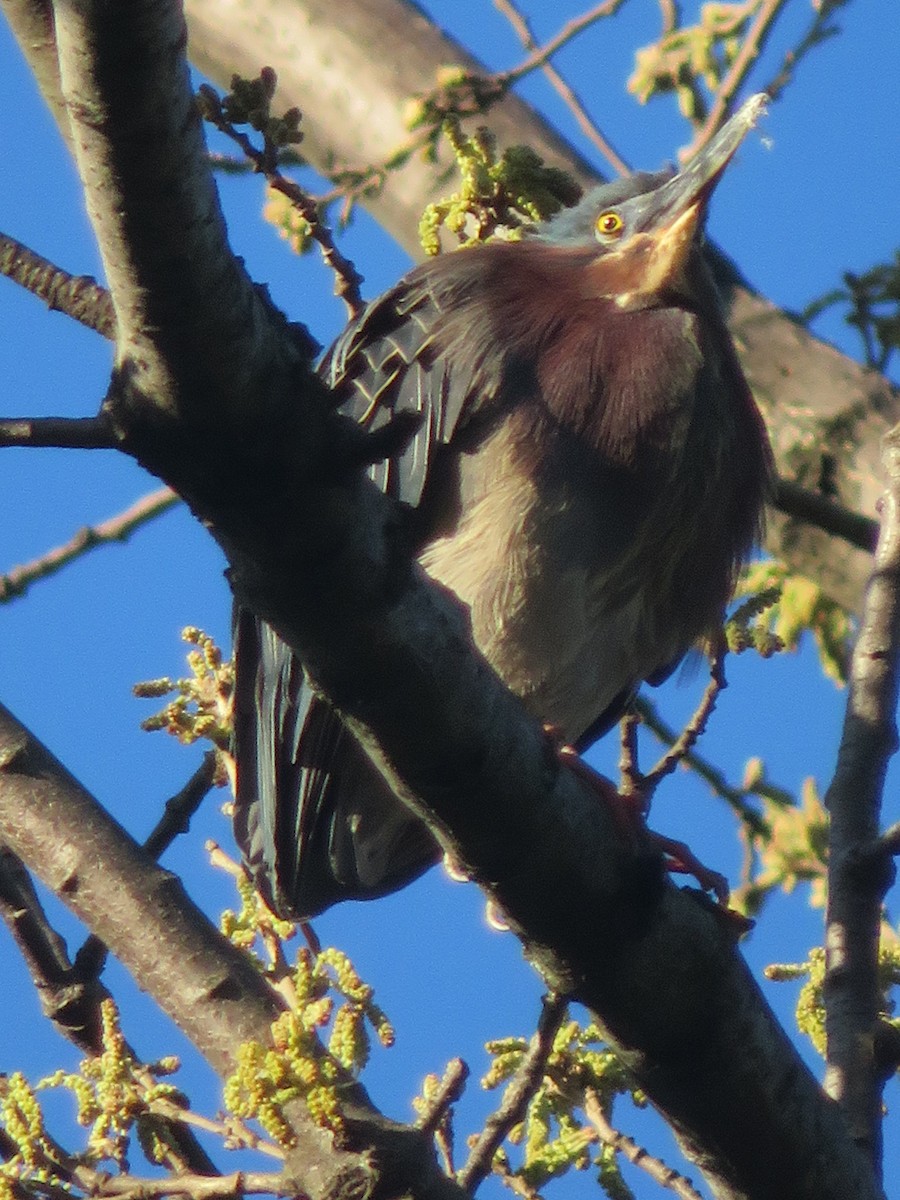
x,y
815,195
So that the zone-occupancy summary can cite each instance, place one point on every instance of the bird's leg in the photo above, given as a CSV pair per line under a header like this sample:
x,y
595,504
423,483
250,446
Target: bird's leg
x,y
630,810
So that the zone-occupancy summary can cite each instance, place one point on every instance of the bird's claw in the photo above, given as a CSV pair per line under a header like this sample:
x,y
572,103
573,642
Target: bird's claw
x,y
630,809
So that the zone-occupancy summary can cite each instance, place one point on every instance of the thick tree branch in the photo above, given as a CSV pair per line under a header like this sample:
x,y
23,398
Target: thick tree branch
x,y
210,989
858,879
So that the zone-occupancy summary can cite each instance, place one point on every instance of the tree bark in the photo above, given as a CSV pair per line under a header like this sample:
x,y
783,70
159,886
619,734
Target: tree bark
x,y
212,391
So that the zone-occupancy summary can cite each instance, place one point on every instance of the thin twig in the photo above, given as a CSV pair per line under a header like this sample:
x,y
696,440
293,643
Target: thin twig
x,y
232,1130
570,30
751,47
658,1171
570,99
670,15
438,1118
78,296
181,807
698,722
817,32
629,771
735,797
19,579
452,1086
347,278
520,1090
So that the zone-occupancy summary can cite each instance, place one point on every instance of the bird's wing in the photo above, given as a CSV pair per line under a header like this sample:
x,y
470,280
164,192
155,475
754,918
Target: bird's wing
x,y
314,820
393,361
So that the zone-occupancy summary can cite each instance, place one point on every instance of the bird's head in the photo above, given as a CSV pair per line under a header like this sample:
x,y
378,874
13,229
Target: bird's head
x,y
645,227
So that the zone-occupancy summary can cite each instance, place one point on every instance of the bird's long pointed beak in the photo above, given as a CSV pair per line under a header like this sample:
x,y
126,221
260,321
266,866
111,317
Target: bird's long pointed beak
x,y
677,208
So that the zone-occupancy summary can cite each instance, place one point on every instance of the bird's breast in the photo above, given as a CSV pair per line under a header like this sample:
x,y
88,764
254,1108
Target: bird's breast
x,y
543,558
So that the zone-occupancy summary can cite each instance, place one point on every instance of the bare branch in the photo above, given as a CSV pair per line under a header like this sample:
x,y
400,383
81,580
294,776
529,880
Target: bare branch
x,y
816,509
181,807
195,1187
857,881
570,30
585,123
347,278
78,296
687,739
119,528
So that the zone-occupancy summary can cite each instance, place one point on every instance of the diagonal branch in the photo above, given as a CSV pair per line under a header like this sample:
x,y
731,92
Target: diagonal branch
x,y
585,124
523,1086
211,990
79,296
119,528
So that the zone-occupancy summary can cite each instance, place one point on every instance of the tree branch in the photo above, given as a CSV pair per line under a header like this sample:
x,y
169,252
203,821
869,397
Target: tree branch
x,y
18,580
857,880
79,296
67,433
211,990
525,1083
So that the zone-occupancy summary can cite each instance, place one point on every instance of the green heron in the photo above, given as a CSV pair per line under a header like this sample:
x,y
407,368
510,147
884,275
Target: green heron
x,y
587,474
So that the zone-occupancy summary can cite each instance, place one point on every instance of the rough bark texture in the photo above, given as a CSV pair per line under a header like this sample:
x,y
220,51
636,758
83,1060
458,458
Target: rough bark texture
x,y
215,396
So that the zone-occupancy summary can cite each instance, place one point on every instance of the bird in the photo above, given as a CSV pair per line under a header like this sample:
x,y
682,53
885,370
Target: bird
x,y
587,473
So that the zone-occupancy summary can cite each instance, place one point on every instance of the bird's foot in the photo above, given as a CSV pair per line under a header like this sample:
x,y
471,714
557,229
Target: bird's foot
x,y
630,811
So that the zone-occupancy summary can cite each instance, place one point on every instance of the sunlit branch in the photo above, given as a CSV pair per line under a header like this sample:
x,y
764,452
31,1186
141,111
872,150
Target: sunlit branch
x,y
579,112
526,1081
63,433
751,47
78,296
19,579
857,881
662,1174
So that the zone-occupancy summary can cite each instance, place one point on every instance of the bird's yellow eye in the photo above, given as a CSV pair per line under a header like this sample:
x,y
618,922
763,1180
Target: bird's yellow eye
x,y
609,224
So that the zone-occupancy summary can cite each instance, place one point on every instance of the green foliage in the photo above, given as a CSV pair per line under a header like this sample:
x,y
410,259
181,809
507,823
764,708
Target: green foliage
x,y
690,55
555,1135
791,848
299,1065
810,1011
497,195
800,607
114,1096
747,627
872,304
202,704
